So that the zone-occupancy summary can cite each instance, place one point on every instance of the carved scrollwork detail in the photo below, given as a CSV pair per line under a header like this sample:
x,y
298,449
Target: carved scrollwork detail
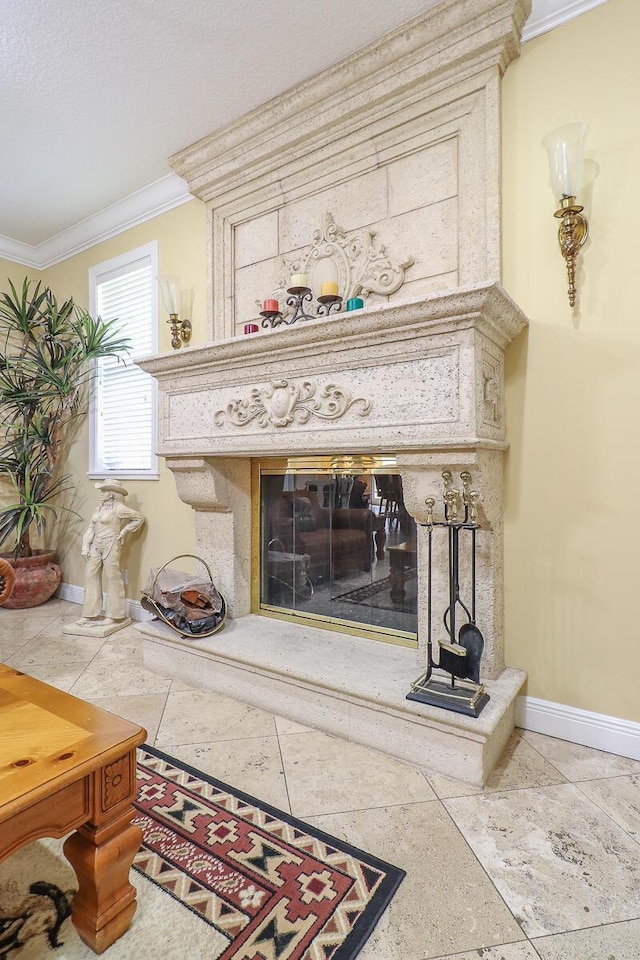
x,y
283,403
362,263
491,392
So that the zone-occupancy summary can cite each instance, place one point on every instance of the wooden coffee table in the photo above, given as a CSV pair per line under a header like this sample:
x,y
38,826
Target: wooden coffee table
x,y
65,765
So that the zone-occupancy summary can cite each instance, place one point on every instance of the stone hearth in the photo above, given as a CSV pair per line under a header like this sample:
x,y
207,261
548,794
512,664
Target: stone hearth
x,y
346,686
400,142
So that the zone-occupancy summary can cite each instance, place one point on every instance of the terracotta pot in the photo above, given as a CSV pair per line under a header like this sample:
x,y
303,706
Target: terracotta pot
x,y
37,579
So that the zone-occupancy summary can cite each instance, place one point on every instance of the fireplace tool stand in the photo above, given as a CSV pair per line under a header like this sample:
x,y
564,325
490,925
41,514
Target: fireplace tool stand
x,y
459,656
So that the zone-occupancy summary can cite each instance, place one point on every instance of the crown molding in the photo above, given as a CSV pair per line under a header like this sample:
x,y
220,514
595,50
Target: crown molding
x,y
145,204
548,14
18,252
171,191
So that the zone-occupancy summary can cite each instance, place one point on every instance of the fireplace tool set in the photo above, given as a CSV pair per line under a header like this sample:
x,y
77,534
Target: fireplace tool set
x,y
461,653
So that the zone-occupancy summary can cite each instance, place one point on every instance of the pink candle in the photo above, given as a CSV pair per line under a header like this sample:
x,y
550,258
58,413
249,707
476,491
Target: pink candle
x,y
271,306
251,328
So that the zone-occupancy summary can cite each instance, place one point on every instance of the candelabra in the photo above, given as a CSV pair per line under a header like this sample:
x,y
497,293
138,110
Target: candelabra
x,y
298,297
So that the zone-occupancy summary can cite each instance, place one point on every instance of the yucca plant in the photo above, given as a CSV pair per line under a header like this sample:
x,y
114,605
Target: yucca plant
x,y
46,354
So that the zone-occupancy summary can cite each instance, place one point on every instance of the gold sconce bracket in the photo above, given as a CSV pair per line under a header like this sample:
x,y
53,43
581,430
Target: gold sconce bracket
x,y
177,301
572,233
565,149
180,330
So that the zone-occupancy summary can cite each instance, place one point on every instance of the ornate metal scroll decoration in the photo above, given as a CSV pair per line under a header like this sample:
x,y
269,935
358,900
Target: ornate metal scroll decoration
x,y
283,403
362,262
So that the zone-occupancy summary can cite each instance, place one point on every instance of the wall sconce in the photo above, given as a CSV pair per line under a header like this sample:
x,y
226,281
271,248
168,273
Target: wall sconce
x,y
176,303
565,147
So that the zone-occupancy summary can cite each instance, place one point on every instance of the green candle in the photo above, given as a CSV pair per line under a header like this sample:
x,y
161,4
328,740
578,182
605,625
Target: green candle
x,y
356,303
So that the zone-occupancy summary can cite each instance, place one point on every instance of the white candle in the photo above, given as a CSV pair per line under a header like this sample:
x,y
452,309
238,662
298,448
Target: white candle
x,y
299,280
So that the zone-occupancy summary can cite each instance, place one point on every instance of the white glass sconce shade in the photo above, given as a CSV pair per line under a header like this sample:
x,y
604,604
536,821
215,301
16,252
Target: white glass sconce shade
x,y
565,147
170,293
186,303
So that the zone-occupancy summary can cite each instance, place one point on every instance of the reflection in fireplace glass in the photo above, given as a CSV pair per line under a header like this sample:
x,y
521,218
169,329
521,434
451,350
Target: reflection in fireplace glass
x,y
340,549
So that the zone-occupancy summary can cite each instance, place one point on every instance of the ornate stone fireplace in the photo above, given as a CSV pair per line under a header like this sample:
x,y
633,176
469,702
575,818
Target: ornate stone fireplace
x,y
401,138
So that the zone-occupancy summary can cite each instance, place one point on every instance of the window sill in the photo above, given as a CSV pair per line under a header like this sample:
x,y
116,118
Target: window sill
x,y
122,475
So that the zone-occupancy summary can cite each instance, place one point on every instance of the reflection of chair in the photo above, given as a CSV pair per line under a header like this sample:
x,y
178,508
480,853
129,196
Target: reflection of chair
x,y
389,490
358,497
337,540
338,492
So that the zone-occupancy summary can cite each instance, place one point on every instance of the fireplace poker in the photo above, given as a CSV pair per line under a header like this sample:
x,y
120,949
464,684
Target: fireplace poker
x,y
470,637
430,505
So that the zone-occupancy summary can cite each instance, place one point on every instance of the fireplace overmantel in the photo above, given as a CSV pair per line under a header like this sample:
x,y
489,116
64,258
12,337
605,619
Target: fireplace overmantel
x,y
402,137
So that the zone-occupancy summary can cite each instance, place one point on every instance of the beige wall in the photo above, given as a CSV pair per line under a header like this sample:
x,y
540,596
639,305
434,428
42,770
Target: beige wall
x,y
181,236
573,379
15,273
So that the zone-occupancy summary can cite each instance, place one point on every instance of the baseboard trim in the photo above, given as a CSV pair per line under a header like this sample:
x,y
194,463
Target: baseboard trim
x,y
579,726
75,594
69,591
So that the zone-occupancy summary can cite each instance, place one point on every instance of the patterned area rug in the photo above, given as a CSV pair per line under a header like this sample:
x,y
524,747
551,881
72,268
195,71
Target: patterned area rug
x,y
378,594
219,875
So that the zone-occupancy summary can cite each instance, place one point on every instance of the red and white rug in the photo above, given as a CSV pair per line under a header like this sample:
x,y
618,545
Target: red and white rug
x,y
219,875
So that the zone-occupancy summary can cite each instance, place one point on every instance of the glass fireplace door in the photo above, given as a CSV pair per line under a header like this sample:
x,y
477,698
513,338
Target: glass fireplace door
x,y
337,548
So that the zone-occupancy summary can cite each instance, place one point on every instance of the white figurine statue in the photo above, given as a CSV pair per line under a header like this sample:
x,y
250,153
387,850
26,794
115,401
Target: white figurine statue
x,y
111,522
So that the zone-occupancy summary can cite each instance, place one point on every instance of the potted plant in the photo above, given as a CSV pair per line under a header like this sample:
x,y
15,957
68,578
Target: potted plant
x,y
46,354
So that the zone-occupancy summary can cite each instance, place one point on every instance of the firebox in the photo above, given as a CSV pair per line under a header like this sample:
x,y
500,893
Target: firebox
x,y
334,546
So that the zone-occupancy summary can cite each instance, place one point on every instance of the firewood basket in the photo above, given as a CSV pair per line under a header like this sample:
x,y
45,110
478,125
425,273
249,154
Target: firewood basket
x,y
164,596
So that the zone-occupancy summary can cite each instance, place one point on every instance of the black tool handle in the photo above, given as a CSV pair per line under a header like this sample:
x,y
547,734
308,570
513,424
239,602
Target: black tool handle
x,y
429,640
473,575
452,581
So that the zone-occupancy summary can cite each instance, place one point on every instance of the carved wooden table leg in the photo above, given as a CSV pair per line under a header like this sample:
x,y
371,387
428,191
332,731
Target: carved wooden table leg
x,y
380,535
402,559
101,853
398,592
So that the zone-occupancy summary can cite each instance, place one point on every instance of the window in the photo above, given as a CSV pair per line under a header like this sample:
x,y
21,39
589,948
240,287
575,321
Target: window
x,y
123,401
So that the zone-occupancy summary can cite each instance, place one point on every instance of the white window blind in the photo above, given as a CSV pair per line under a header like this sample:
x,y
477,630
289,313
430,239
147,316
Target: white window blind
x,y
124,396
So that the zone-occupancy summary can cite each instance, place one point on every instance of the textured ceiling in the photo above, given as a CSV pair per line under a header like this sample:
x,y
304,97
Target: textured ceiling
x,y
95,95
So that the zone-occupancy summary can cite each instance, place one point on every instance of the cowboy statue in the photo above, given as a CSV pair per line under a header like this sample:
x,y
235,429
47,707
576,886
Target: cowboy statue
x,y
111,522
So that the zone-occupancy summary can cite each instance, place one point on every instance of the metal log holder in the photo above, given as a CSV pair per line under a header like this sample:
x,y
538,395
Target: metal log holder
x,y
168,602
461,653
298,297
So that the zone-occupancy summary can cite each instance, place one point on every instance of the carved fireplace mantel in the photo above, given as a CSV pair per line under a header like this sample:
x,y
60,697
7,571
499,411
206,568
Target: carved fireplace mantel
x,y
421,379
396,377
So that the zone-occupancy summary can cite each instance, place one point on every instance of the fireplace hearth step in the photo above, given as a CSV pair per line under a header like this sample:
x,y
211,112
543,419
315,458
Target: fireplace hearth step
x,y
343,685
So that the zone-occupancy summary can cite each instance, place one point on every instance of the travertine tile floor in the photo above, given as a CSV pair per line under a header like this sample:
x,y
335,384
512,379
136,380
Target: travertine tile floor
x,y
544,864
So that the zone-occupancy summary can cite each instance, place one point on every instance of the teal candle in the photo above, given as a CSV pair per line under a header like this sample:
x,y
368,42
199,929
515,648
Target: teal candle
x,y
356,303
